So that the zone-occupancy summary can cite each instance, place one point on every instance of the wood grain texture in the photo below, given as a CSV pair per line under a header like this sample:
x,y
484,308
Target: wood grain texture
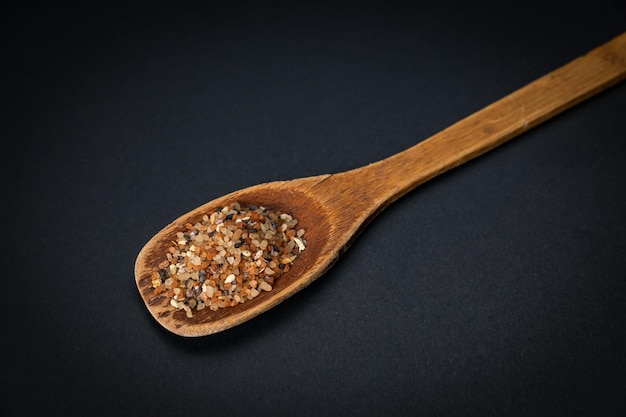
x,y
334,208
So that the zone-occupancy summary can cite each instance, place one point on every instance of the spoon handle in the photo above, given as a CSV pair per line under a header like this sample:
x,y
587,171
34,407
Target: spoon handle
x,y
383,182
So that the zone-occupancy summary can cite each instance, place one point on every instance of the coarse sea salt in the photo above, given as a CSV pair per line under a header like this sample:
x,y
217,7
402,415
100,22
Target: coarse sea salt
x,y
228,257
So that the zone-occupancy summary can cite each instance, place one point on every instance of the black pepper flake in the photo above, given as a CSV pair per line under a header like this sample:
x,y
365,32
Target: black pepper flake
x,y
230,216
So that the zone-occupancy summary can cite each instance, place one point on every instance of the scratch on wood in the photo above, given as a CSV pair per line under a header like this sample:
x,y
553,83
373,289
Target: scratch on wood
x,y
524,121
323,179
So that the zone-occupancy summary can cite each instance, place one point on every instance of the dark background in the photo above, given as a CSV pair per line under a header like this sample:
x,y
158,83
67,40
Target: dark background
x,y
495,289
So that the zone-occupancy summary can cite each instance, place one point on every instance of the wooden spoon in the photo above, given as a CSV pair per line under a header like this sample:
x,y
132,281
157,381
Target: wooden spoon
x,y
334,208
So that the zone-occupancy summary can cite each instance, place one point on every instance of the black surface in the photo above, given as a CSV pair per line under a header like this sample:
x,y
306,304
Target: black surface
x,y
496,289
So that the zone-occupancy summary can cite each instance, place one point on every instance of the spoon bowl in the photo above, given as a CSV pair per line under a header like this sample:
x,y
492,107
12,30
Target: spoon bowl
x,y
287,196
334,208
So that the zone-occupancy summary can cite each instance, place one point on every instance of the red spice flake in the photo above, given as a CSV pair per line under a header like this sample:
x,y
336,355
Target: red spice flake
x,y
229,257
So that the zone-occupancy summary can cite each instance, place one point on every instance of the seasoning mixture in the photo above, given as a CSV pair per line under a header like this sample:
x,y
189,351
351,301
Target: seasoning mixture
x,y
228,258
